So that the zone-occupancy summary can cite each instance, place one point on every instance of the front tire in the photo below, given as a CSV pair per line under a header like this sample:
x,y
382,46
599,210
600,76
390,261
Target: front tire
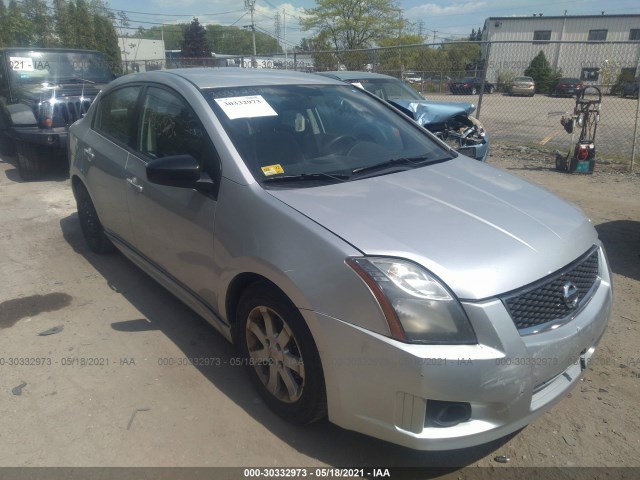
x,y
280,355
92,229
30,165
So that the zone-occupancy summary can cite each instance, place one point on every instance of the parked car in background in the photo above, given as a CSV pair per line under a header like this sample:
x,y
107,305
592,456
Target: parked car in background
x,y
365,271
42,92
470,86
567,86
412,77
450,121
522,86
630,88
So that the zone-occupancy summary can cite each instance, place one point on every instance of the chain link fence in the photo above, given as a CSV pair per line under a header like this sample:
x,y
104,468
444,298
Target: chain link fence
x,y
612,67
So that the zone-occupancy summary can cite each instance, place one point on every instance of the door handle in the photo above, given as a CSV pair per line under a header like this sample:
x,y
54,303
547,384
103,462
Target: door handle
x,y
89,153
133,183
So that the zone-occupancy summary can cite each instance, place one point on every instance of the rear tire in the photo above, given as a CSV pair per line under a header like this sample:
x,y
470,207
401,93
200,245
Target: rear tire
x,y
92,229
280,355
7,146
30,164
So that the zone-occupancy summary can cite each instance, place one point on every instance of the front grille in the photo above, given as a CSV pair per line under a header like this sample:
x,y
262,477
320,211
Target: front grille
x,y
69,111
544,301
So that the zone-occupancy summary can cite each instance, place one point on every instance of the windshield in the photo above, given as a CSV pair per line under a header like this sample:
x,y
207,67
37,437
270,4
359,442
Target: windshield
x,y
319,133
32,66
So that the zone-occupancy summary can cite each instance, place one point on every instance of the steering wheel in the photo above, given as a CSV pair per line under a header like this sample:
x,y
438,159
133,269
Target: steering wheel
x,y
342,144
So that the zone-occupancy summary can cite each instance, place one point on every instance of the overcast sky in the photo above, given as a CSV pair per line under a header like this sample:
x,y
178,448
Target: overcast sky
x,y
439,17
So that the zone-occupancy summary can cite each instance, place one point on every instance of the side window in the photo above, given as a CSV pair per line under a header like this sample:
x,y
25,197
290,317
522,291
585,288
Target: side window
x,y
113,118
170,127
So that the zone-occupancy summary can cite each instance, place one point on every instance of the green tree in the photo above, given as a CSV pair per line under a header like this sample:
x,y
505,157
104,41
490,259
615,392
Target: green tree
x,y
63,28
396,61
353,24
195,43
108,44
462,57
4,31
83,23
41,22
18,30
541,72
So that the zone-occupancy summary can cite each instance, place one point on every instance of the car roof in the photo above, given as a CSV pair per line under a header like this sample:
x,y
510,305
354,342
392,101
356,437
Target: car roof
x,y
207,77
356,75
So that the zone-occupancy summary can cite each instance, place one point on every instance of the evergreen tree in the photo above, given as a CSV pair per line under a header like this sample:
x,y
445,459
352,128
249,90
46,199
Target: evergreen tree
x,y
63,25
18,30
195,43
36,13
107,39
83,23
3,24
541,72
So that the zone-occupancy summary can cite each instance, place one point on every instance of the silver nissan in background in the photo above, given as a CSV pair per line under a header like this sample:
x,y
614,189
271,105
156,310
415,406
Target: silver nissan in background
x,y
365,270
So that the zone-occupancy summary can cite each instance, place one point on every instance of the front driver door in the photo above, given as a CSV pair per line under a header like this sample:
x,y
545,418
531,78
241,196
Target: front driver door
x,y
173,226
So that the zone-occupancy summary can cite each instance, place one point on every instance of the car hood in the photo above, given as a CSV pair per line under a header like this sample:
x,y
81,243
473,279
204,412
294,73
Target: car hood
x,y
426,112
481,230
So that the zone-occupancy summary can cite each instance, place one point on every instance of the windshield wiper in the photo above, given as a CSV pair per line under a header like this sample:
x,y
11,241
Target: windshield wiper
x,y
414,161
336,177
75,79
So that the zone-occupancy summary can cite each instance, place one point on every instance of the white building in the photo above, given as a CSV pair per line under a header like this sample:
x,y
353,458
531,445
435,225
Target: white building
x,y
604,45
140,54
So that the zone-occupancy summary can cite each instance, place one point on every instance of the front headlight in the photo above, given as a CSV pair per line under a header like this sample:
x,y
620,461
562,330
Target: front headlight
x,y
417,306
46,113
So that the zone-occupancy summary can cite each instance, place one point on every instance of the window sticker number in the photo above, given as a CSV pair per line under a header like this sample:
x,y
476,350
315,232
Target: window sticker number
x,y
22,64
246,107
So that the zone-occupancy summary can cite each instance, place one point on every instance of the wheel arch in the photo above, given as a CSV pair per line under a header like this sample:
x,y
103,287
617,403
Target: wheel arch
x,y
237,287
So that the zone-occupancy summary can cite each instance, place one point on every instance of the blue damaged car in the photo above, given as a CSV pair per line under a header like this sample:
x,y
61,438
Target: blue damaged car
x,y
450,121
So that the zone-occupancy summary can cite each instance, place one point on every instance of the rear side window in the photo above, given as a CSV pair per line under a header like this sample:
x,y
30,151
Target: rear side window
x,y
115,114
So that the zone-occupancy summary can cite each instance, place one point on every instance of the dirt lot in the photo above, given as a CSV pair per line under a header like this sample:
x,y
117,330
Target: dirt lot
x,y
122,406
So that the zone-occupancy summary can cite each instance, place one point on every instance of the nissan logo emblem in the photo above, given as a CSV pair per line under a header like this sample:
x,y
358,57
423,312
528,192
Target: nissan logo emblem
x,y
570,295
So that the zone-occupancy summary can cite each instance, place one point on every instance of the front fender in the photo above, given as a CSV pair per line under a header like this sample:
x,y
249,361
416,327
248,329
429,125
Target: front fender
x,y
21,115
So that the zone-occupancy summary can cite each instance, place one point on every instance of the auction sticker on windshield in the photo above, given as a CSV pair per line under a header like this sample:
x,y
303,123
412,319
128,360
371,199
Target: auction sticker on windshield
x,y
246,107
24,64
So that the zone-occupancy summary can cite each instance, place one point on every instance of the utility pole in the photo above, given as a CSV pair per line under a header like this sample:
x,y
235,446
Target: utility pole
x,y
284,24
251,5
399,42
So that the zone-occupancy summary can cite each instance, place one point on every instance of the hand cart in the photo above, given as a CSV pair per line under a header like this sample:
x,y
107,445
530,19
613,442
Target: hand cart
x,y
581,158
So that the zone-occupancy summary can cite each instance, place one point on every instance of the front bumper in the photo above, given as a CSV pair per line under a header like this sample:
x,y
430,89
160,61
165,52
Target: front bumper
x,y
55,138
478,152
381,387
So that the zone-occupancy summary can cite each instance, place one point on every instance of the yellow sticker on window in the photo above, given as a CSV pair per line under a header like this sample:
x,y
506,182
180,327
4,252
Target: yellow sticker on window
x,y
272,169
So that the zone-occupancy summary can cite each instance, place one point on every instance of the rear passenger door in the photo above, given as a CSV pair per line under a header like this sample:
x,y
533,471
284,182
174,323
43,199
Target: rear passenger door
x,y
173,226
103,153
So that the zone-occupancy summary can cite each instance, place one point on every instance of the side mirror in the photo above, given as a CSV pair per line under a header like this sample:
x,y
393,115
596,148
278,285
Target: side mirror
x,y
181,171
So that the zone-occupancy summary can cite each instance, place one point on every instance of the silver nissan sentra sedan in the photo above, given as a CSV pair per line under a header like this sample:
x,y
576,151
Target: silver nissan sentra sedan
x,y
366,271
